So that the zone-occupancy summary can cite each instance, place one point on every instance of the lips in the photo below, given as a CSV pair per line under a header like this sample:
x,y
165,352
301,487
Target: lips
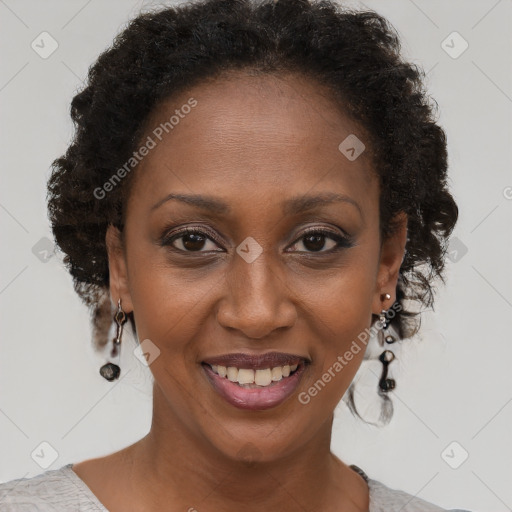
x,y
256,399
287,373
256,362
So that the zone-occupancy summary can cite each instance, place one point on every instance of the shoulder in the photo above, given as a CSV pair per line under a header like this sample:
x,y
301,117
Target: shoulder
x,y
56,490
385,499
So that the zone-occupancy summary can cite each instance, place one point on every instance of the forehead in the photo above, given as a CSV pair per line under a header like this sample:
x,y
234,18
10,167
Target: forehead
x,y
252,136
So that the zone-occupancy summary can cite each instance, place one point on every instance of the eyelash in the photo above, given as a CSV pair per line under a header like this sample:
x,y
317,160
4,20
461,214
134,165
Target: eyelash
x,y
342,242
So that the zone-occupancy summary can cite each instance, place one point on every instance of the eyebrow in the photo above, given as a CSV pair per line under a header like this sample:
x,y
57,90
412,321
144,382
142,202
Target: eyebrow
x,y
305,203
290,206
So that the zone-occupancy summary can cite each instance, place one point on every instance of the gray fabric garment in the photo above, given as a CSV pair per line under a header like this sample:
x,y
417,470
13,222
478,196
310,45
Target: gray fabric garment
x,y
62,490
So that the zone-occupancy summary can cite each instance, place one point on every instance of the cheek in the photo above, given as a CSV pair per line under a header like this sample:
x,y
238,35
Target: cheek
x,y
169,312
165,297
341,299
337,350
340,315
167,306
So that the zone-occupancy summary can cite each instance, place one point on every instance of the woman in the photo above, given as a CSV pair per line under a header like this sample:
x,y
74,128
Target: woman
x,y
258,188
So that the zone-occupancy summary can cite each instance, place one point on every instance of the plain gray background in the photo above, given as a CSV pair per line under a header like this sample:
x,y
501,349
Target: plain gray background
x,y
453,382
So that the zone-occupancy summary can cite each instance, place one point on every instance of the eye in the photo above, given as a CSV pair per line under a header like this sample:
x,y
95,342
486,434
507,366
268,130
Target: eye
x,y
314,240
190,240
199,240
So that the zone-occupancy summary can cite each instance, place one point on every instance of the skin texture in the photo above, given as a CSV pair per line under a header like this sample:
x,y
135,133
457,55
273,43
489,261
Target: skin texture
x,y
251,142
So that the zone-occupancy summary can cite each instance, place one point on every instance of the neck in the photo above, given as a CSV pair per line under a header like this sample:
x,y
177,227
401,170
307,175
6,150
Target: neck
x,y
173,465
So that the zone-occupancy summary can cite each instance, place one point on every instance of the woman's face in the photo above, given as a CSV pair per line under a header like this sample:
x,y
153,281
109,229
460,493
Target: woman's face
x,y
250,280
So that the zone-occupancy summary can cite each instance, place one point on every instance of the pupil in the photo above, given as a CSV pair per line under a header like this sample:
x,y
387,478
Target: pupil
x,y
193,241
318,242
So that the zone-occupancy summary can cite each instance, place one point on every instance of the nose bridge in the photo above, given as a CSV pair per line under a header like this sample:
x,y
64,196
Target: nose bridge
x,y
258,301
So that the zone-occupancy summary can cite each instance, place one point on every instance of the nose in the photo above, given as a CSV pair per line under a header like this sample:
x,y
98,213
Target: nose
x,y
258,300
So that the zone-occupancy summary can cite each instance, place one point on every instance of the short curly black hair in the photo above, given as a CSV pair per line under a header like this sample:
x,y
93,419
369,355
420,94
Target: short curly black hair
x,y
355,54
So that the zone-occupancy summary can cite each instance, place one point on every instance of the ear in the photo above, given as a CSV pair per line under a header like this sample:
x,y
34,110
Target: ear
x,y
118,274
391,256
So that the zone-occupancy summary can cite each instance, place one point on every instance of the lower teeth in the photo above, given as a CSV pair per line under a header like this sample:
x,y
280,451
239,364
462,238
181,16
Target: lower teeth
x,y
254,385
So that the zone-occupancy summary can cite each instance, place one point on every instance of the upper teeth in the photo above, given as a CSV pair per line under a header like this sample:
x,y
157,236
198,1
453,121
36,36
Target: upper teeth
x,y
260,377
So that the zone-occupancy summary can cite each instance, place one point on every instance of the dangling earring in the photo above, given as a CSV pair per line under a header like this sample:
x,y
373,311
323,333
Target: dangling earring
x,y
111,371
386,384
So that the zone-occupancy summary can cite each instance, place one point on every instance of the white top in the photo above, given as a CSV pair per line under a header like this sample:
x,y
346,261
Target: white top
x,y
62,490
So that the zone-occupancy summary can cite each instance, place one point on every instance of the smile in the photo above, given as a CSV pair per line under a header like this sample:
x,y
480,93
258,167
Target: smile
x,y
248,378
255,389
244,381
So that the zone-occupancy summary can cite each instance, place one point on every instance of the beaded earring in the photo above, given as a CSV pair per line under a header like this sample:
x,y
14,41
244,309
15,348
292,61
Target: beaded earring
x,y
386,384
111,371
